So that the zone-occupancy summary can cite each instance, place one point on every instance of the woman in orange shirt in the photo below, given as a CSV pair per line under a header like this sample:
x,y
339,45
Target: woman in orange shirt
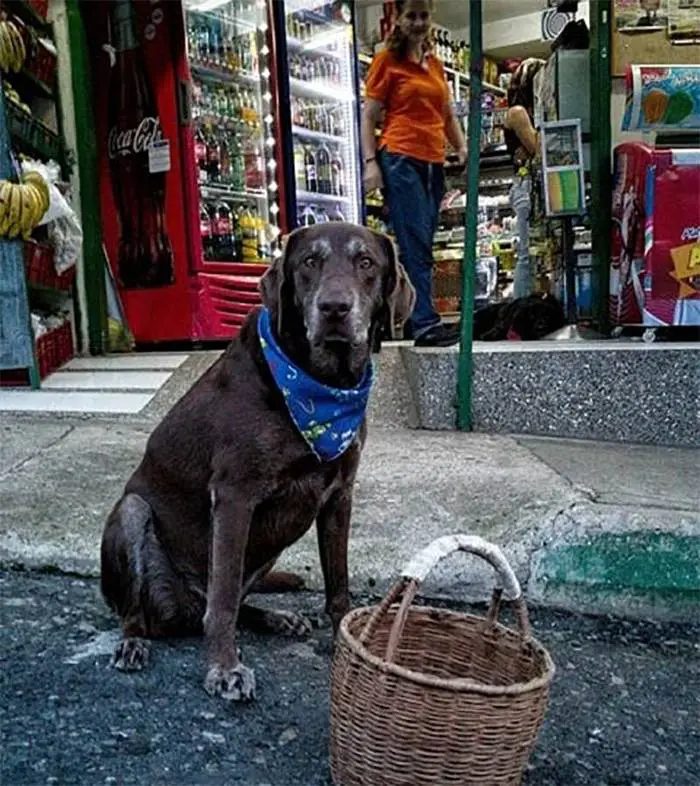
x,y
407,83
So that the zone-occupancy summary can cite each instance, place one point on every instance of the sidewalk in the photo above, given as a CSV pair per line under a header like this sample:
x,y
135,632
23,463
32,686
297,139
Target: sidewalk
x,y
588,526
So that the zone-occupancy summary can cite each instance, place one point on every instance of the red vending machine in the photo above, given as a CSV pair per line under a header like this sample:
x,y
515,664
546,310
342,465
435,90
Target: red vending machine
x,y
186,122
655,273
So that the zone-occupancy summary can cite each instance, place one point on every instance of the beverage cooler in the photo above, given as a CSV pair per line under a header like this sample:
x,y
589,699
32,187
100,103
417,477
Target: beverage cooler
x,y
319,88
221,125
185,109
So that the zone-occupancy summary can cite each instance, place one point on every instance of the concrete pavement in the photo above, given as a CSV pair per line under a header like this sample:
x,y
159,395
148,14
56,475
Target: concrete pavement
x,y
590,526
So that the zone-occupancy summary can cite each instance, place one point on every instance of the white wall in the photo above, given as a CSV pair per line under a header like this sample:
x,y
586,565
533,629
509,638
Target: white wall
x,y
57,15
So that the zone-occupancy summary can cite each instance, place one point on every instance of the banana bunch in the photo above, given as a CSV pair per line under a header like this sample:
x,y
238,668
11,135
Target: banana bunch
x,y
22,205
12,95
12,48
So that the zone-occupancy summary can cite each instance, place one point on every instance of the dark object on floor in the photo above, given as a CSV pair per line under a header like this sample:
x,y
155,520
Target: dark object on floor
x,y
527,319
441,335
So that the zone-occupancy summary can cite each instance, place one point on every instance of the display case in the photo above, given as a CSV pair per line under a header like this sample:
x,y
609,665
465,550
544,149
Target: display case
x,y
233,128
321,84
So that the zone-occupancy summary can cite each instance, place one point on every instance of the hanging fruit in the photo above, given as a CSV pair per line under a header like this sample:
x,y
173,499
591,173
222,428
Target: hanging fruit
x,y
23,205
12,48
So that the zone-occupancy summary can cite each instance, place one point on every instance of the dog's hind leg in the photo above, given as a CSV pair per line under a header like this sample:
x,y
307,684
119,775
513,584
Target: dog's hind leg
x,y
279,581
285,623
139,583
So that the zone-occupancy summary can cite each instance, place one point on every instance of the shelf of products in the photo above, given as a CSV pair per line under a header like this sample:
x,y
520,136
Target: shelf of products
x,y
47,253
323,112
233,142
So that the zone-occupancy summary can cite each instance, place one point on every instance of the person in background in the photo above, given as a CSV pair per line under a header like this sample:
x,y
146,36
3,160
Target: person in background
x,y
522,142
406,82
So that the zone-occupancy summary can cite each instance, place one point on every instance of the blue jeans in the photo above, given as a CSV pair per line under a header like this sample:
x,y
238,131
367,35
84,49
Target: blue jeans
x,y
414,190
521,202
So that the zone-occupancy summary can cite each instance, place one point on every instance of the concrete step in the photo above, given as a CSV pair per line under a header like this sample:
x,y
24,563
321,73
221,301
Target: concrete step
x,y
613,391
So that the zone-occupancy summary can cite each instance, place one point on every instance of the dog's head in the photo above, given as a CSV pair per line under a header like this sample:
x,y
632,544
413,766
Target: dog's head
x,y
328,294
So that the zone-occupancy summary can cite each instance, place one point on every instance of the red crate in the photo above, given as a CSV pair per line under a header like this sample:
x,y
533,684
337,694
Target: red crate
x,y
41,7
41,63
39,264
54,349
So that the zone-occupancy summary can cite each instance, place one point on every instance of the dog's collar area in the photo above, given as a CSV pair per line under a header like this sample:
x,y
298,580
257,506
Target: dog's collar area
x,y
327,418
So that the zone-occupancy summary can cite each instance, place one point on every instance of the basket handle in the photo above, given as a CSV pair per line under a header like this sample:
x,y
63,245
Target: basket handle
x,y
423,563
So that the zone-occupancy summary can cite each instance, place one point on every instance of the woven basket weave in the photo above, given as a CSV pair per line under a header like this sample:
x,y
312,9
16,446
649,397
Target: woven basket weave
x,y
424,696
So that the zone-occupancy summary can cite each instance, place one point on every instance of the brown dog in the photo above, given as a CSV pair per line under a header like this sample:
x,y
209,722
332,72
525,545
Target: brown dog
x,y
229,480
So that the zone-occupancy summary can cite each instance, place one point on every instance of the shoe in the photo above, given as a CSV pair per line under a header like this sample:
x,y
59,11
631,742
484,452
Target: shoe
x,y
441,335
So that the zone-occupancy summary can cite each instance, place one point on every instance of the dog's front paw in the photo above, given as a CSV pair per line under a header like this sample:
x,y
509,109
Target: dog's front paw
x,y
131,655
236,684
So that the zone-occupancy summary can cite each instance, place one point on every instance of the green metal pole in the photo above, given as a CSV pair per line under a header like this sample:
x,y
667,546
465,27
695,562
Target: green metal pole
x,y
601,164
465,369
86,143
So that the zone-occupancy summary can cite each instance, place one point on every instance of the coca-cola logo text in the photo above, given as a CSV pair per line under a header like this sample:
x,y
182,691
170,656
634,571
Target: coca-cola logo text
x,y
134,140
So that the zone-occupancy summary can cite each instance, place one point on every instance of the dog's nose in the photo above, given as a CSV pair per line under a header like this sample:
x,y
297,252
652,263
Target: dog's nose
x,y
336,305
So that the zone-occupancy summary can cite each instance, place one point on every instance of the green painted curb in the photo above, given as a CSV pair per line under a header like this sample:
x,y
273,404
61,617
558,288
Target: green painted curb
x,y
645,571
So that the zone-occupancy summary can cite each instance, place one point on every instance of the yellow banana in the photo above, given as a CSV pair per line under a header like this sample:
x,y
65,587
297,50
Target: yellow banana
x,y
5,47
27,213
18,50
37,180
15,211
5,189
11,47
37,203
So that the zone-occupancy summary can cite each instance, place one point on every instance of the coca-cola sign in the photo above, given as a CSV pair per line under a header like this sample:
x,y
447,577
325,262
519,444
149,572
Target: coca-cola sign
x,y
134,140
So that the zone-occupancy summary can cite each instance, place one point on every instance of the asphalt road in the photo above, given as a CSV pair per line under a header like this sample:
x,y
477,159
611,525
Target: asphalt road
x,y
624,708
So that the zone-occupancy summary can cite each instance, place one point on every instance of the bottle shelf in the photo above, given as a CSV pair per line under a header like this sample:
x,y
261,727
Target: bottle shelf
x,y
31,135
298,47
333,92
317,196
215,74
221,191
318,136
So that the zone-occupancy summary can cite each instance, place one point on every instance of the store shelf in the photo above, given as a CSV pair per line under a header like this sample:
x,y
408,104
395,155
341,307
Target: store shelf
x,y
312,47
213,191
365,58
25,11
26,84
317,136
457,74
315,196
219,75
315,90
30,135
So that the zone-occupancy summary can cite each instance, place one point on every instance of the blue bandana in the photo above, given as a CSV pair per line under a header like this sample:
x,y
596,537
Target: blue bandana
x,y
327,418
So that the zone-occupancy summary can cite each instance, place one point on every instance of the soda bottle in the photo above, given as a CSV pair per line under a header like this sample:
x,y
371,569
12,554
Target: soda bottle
x,y
213,160
225,163
310,169
323,169
299,167
222,231
249,236
205,231
200,155
337,175
144,255
237,164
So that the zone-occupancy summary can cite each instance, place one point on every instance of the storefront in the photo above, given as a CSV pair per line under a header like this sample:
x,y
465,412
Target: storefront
x,y
207,130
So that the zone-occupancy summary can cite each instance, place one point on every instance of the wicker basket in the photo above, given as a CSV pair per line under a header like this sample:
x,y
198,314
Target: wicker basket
x,y
424,696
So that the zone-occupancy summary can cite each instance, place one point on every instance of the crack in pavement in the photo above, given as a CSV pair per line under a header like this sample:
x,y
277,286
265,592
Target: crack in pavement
x,y
22,462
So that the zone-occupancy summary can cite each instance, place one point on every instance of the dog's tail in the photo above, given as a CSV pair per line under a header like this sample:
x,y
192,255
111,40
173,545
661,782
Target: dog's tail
x,y
279,581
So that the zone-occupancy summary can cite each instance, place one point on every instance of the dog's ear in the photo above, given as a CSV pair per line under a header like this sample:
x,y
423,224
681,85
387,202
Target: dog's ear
x,y
400,294
272,285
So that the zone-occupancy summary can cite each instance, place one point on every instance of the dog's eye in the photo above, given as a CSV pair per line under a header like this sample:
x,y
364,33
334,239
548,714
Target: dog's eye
x,y
309,262
365,263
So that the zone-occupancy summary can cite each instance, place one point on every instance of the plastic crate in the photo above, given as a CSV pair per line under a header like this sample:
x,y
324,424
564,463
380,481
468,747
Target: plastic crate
x,y
39,264
42,64
41,7
54,349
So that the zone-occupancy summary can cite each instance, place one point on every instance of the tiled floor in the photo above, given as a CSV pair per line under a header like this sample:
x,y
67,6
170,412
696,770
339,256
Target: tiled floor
x,y
115,384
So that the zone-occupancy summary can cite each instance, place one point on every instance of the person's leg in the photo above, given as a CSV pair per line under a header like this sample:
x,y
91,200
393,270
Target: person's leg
x,y
411,212
520,202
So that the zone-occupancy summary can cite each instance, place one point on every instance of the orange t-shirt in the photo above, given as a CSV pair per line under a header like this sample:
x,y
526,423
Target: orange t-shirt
x,y
414,99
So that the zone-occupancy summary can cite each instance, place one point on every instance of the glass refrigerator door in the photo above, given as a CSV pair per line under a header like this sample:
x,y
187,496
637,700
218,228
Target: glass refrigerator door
x,y
234,146
323,104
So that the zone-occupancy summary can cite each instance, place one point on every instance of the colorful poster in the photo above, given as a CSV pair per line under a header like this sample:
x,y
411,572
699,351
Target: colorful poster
x,y
641,14
684,20
662,97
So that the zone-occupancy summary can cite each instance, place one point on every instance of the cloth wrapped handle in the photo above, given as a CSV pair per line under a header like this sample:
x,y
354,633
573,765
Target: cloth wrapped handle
x,y
419,568
423,563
